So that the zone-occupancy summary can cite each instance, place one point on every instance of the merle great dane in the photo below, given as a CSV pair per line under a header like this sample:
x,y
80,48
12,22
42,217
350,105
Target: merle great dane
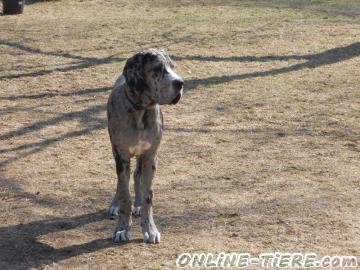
x,y
135,125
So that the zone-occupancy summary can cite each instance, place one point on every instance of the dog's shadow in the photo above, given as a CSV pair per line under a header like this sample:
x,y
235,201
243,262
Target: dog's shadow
x,y
20,248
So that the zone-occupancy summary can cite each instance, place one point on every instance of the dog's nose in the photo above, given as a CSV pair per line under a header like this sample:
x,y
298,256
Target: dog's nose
x,y
178,84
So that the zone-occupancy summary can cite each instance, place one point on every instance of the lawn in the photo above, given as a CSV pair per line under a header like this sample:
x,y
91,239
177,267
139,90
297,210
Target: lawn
x,y
260,155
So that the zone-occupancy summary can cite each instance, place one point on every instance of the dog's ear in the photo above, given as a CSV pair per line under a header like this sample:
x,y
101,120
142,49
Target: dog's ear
x,y
167,57
134,73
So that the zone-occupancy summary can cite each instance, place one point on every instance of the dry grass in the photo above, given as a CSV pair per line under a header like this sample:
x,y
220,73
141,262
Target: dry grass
x,y
261,154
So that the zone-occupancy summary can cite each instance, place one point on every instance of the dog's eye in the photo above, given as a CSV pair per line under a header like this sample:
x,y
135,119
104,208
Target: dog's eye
x,y
158,69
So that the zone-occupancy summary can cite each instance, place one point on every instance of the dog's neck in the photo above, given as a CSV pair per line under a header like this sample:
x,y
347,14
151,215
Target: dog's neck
x,y
137,103
134,101
137,108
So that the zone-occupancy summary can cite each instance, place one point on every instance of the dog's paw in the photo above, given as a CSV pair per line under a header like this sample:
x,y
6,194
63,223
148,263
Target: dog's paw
x,y
149,230
113,211
122,236
152,238
136,211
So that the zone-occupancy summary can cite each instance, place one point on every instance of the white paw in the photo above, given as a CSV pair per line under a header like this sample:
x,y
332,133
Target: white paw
x,y
113,211
121,236
136,211
152,238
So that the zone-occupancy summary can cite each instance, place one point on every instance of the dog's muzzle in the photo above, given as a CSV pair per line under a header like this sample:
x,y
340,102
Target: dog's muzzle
x,y
178,86
176,99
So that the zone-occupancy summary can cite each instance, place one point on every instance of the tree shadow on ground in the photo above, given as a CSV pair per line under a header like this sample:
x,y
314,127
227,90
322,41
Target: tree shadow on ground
x,y
86,117
19,247
91,122
30,2
327,57
10,187
59,94
83,62
345,8
266,58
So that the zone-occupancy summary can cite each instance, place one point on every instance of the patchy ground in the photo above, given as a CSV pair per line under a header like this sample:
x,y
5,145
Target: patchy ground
x,y
261,154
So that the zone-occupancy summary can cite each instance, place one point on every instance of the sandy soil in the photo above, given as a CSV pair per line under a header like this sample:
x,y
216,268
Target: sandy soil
x,y
260,155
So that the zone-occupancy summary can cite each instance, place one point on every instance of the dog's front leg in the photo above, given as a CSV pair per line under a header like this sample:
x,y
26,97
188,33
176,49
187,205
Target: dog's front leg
x,y
150,232
137,188
123,229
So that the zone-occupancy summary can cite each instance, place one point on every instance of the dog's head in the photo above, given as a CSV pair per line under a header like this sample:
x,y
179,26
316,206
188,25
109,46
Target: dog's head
x,y
151,78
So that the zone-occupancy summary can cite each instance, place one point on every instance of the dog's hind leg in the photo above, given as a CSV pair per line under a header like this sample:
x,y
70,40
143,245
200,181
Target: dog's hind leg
x,y
137,182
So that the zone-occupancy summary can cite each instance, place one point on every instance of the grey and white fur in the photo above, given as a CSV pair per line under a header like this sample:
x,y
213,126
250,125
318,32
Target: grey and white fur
x,y
135,124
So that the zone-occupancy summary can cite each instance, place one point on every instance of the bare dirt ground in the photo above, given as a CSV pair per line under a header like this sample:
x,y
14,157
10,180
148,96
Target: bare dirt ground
x,y
260,155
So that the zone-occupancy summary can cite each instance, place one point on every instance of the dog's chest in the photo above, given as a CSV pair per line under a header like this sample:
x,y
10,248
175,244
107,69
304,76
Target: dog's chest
x,y
142,141
139,148
146,133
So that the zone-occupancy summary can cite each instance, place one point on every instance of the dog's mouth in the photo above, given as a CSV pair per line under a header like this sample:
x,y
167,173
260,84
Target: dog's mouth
x,y
176,99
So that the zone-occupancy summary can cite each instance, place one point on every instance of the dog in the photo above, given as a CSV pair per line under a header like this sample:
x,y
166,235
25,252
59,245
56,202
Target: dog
x,y
135,125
